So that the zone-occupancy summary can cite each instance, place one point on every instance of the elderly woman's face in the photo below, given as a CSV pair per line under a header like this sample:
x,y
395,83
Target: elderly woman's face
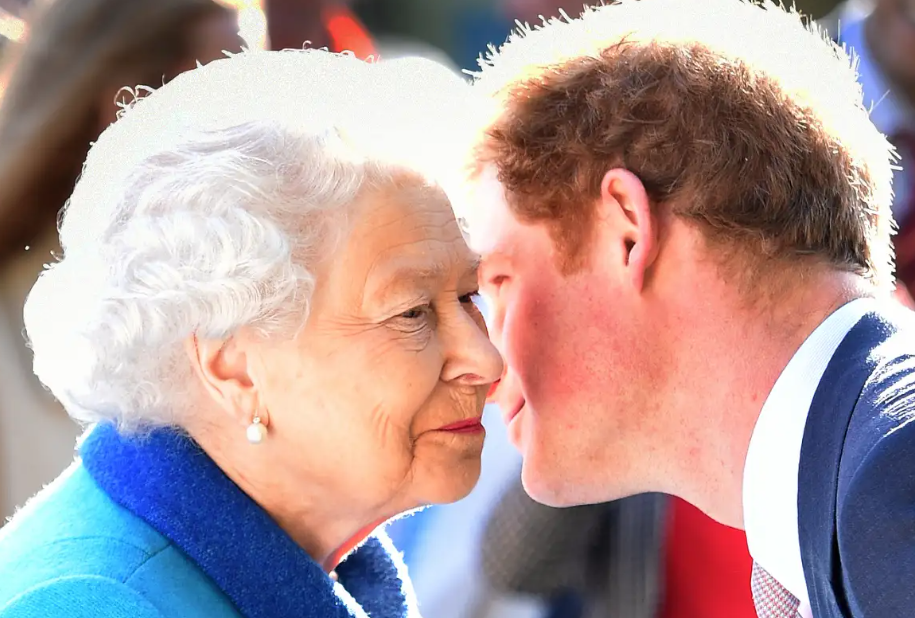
x,y
381,394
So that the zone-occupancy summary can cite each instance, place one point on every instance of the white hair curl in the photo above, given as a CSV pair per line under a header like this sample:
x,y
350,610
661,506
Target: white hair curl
x,y
201,208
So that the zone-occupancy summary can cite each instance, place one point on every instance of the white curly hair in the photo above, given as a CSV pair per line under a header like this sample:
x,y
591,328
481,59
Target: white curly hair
x,y
201,209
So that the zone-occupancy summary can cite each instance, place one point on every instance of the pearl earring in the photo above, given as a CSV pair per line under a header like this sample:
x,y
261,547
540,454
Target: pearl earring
x,y
256,431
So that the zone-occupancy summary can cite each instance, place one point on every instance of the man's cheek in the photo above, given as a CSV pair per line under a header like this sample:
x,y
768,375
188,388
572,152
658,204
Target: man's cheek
x,y
521,338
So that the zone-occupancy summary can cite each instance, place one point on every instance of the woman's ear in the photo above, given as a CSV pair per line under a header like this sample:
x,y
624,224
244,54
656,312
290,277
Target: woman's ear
x,y
222,366
629,224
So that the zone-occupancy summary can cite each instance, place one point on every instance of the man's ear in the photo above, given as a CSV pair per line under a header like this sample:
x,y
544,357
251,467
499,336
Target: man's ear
x,y
625,211
223,367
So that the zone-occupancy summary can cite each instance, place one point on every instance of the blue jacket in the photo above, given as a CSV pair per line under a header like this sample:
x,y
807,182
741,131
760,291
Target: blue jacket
x,y
151,528
856,482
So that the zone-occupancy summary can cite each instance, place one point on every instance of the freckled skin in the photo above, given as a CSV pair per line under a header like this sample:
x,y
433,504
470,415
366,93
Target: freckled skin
x,y
383,363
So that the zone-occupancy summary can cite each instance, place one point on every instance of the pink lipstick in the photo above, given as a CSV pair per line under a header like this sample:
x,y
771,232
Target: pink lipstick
x,y
471,425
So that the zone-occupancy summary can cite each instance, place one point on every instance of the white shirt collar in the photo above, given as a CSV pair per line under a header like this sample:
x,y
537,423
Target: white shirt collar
x,y
771,469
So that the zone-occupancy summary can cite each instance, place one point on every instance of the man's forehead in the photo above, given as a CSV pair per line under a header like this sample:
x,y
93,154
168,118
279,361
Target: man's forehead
x,y
484,215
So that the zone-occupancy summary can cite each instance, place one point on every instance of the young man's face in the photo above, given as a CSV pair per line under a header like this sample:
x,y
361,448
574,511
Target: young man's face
x,y
571,392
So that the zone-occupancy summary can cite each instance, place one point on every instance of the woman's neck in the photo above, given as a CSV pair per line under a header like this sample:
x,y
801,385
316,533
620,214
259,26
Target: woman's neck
x,y
337,556
315,523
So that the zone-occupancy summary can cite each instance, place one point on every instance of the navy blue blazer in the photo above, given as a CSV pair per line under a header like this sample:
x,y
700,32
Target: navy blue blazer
x,y
856,480
152,528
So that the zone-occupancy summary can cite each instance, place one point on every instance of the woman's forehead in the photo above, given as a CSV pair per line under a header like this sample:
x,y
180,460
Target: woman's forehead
x,y
408,234
408,215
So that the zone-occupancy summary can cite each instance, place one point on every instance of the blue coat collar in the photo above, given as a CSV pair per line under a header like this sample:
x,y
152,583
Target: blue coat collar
x,y
171,484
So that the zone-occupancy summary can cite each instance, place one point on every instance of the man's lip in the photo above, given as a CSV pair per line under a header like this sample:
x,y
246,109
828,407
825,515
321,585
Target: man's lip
x,y
470,423
492,390
513,412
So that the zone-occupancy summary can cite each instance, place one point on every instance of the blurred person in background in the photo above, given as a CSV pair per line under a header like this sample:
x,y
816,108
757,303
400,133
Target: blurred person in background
x,y
882,35
531,11
60,90
330,24
479,25
646,556
11,26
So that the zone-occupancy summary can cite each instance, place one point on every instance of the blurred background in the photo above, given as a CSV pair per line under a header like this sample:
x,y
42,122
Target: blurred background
x,y
496,553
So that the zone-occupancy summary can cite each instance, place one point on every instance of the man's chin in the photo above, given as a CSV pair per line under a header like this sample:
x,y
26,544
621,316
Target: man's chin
x,y
544,484
547,481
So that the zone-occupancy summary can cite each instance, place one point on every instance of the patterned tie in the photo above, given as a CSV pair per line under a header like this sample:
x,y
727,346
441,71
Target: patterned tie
x,y
904,241
770,597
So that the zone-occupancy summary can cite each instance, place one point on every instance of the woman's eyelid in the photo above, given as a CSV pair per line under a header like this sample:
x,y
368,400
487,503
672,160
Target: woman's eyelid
x,y
429,307
421,309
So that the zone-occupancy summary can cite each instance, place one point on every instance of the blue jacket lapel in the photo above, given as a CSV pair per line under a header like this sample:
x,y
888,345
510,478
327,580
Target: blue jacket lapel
x,y
821,454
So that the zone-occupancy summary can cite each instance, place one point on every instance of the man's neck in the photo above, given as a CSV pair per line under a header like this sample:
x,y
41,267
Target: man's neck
x,y
744,351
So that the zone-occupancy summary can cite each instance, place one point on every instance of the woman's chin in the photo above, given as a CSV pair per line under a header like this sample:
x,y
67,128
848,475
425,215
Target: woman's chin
x,y
455,483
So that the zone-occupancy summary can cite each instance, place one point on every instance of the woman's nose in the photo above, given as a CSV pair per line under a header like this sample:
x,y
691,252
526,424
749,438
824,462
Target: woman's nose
x,y
474,359
488,360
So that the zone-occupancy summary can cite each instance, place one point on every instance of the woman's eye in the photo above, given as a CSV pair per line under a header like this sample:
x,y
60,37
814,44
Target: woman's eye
x,y
469,298
414,314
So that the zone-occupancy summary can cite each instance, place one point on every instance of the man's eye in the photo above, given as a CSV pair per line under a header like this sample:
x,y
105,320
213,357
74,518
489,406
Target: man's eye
x,y
497,280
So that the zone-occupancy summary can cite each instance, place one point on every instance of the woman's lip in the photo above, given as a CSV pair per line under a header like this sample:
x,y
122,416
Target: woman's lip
x,y
468,425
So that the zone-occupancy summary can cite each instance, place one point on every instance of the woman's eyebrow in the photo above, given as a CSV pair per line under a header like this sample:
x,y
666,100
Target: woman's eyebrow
x,y
400,275
412,272
473,267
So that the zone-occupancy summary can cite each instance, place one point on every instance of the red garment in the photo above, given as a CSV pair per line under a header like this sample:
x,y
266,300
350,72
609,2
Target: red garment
x,y
317,24
707,567
347,33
